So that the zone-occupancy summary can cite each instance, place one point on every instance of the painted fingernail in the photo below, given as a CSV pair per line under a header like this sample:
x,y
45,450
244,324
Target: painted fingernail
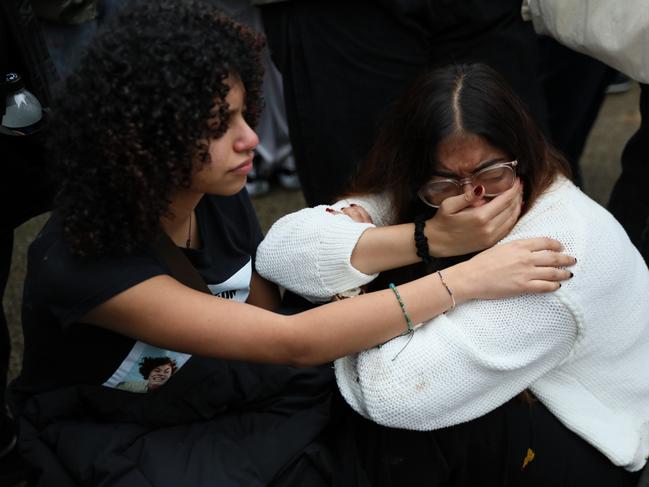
x,y
571,274
575,259
559,284
330,210
353,204
479,190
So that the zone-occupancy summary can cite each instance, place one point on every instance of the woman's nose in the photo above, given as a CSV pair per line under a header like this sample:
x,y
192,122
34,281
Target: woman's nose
x,y
247,140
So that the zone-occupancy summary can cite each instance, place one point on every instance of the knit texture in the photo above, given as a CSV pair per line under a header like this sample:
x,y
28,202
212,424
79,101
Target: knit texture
x,y
583,350
309,251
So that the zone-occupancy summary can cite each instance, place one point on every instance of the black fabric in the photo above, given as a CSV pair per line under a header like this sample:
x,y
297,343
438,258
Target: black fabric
x,y
26,188
180,268
629,201
60,289
344,63
6,245
574,86
214,422
489,451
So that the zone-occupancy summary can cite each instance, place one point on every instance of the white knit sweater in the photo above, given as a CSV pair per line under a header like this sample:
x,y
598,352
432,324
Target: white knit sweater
x,y
583,350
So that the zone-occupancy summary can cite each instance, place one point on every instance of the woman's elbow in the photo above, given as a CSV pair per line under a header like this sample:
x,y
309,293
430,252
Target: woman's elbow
x,y
299,349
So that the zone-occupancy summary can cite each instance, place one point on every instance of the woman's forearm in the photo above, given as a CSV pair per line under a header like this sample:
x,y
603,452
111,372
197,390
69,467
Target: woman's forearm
x,y
383,248
345,327
520,267
186,320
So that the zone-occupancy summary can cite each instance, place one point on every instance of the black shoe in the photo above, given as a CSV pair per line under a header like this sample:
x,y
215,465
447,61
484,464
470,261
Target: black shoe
x,y
620,84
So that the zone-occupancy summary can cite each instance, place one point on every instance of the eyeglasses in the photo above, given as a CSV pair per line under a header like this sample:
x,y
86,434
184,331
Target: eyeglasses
x,y
496,179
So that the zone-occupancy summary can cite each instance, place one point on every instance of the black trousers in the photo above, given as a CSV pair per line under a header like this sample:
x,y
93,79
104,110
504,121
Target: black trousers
x,y
488,451
574,86
629,201
344,63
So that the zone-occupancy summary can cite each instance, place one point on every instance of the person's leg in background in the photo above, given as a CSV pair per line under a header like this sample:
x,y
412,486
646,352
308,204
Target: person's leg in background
x,y
629,201
25,172
7,430
342,63
493,33
273,154
575,86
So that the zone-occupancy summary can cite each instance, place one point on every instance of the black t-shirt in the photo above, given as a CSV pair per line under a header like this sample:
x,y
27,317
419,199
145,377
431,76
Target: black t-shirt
x,y
60,289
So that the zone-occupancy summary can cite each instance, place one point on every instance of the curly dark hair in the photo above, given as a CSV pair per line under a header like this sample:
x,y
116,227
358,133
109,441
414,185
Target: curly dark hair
x,y
132,121
147,364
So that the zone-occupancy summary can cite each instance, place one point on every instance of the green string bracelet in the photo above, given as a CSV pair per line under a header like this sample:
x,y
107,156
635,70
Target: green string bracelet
x,y
403,308
410,328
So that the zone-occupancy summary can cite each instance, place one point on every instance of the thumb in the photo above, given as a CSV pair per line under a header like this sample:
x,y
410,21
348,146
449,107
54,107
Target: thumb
x,y
454,204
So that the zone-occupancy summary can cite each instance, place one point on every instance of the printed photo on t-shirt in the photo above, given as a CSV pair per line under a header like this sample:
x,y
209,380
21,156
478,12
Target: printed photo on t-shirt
x,y
146,368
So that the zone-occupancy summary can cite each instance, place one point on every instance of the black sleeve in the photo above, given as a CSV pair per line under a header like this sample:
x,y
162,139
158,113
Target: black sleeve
x,y
69,287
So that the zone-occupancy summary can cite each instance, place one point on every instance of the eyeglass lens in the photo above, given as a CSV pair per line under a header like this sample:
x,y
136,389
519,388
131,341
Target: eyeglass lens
x,y
495,180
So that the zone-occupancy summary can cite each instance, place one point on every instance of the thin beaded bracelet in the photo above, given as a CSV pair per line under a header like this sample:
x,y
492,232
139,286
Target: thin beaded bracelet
x,y
403,308
448,289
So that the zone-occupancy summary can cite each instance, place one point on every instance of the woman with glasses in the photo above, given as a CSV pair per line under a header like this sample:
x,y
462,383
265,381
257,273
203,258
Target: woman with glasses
x,y
542,389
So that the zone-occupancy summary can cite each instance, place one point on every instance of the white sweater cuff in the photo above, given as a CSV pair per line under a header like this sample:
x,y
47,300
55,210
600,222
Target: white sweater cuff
x,y
309,253
336,270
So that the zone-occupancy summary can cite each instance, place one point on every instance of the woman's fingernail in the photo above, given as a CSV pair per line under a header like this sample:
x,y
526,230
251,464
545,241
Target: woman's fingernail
x,y
575,259
330,210
353,204
559,284
571,274
479,190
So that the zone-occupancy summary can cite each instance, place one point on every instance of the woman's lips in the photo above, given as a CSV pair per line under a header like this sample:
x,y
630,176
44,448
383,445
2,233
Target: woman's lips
x,y
243,168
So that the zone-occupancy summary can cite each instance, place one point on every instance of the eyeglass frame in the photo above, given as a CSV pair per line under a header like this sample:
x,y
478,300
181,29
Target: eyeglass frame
x,y
461,182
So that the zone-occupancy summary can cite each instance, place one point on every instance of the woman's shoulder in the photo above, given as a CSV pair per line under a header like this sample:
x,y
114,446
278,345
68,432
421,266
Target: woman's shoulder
x,y
565,207
70,285
587,231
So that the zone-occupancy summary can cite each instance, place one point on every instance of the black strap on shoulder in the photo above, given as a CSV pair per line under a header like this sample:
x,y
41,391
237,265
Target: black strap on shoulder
x,y
179,265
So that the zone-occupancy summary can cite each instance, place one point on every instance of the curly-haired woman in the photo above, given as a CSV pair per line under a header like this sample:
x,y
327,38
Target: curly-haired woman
x,y
155,143
536,389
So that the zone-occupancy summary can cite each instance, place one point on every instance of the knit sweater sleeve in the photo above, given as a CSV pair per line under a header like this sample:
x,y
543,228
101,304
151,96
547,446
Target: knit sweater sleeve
x,y
309,251
461,365
467,362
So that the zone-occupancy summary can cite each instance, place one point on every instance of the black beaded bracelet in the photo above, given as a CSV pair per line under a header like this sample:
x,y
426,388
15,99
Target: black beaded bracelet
x,y
421,242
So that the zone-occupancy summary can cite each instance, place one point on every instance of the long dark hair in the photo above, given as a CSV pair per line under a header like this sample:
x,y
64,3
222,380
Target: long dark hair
x,y
132,122
445,102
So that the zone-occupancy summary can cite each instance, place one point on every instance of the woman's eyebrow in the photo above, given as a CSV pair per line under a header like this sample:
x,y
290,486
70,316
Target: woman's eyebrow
x,y
488,163
482,165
